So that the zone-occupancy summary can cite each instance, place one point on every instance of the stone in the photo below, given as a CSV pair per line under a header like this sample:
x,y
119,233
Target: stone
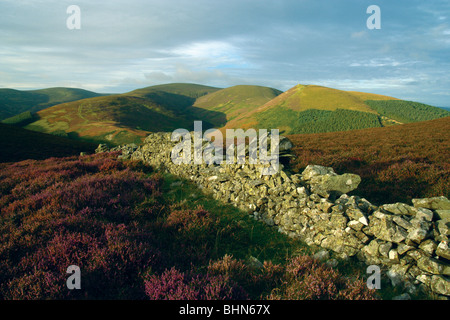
x,y
102,148
430,265
443,215
393,256
386,229
322,255
315,170
443,250
400,209
440,285
328,184
428,246
384,249
424,214
402,222
435,203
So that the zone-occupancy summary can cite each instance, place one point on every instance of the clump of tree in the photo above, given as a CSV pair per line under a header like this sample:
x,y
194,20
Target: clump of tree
x,y
407,111
317,121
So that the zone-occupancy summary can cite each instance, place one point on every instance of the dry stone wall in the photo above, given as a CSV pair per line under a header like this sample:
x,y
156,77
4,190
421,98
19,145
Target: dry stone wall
x,y
409,241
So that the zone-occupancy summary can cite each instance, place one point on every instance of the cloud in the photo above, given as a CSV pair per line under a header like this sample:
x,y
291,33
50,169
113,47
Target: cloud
x,y
123,45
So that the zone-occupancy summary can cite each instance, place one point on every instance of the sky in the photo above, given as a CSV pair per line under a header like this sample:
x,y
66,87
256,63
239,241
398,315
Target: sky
x,y
123,45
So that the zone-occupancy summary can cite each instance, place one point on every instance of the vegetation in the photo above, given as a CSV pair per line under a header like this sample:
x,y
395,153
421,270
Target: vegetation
x,y
289,121
407,111
137,235
21,119
13,102
18,144
396,163
231,102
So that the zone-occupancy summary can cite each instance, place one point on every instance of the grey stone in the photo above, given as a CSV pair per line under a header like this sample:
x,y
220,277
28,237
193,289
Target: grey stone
x,y
435,203
400,209
440,285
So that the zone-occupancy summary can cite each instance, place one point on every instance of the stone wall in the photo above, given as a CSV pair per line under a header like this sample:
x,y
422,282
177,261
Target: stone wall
x,y
409,241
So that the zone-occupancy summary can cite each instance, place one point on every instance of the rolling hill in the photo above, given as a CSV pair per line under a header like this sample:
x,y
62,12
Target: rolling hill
x,y
129,117
14,102
124,118
234,101
314,109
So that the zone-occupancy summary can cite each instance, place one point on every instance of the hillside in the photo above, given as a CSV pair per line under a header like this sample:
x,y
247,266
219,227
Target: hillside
x,y
234,101
123,118
13,102
129,117
396,163
314,109
18,144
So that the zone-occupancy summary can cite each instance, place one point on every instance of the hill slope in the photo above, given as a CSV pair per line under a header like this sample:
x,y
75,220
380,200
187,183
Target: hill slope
x,y
123,118
234,101
313,109
13,102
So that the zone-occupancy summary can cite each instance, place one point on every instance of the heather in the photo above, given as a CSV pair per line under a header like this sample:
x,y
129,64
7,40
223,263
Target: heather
x,y
137,235
396,164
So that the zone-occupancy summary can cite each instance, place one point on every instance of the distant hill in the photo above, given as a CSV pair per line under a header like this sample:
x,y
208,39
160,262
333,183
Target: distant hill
x,y
233,102
129,117
190,90
315,109
124,118
14,102
18,144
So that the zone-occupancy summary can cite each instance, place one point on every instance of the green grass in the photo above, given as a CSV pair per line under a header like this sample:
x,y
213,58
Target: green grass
x,y
234,101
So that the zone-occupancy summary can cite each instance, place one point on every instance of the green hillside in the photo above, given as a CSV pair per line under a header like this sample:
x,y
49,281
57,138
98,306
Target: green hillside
x,y
124,118
407,111
190,90
233,102
129,117
13,102
315,109
18,144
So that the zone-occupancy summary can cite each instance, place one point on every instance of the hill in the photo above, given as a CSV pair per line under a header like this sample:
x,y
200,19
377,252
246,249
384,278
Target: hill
x,y
129,117
396,163
18,144
13,102
234,101
190,90
314,109
123,118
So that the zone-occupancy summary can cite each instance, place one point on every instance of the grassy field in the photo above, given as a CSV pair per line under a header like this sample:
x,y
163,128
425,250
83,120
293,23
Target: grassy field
x,y
396,163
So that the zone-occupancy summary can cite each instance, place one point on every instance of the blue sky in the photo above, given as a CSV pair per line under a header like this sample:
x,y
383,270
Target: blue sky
x,y
124,45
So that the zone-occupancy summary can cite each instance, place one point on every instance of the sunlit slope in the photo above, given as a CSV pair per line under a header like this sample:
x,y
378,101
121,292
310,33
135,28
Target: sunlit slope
x,y
13,102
